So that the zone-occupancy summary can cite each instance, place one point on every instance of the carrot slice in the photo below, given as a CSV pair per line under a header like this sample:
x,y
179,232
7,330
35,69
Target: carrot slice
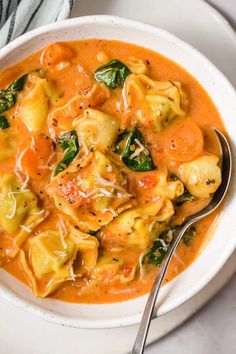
x,y
34,158
184,142
55,53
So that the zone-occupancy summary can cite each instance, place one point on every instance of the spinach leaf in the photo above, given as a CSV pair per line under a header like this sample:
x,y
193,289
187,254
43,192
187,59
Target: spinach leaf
x,y
185,197
69,143
113,74
160,246
157,252
188,236
18,84
92,233
8,97
134,152
4,122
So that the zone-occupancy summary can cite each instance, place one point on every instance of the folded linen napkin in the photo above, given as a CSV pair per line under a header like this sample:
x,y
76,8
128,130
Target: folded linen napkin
x,y
19,16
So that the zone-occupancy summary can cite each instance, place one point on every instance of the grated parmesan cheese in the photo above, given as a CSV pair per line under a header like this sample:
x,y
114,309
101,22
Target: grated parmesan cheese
x,y
62,231
141,146
60,253
32,144
38,212
107,183
105,192
141,264
164,245
25,183
19,158
88,195
26,228
72,274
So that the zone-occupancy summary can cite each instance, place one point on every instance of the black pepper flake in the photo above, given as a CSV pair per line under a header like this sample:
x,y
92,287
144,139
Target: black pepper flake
x,y
54,122
210,181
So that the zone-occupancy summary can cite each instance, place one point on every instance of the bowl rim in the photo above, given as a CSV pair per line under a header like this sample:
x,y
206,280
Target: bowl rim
x,y
49,315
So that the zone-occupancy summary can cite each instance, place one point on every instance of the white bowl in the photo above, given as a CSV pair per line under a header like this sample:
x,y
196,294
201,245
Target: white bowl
x,y
215,254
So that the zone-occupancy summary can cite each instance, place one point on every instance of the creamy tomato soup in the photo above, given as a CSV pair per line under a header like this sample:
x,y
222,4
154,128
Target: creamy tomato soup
x,y
105,149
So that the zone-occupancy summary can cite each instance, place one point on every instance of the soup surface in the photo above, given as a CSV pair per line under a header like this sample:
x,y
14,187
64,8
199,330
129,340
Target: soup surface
x,y
105,148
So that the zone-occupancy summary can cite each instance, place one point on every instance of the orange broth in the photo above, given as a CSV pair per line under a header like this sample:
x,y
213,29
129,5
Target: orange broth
x,y
71,81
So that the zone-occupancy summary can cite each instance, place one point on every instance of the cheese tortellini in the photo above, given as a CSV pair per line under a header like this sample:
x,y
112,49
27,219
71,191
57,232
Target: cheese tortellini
x,y
19,211
109,270
202,176
137,227
54,259
91,195
137,66
159,101
97,129
33,107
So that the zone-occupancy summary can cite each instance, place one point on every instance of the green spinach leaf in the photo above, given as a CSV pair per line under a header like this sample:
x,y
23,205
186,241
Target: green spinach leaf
x,y
69,143
185,197
8,97
113,74
134,152
189,235
160,246
4,122
157,252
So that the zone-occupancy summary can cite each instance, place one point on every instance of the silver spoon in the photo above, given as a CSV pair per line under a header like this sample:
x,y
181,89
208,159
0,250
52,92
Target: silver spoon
x,y
216,200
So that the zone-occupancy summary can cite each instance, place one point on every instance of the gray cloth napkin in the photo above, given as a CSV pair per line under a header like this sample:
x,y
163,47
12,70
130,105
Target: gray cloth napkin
x,y
19,16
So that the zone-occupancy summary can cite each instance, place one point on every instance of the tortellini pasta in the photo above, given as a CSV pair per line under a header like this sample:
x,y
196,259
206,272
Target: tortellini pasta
x,y
34,104
202,176
159,101
137,66
18,209
64,115
136,227
92,195
109,270
53,259
97,129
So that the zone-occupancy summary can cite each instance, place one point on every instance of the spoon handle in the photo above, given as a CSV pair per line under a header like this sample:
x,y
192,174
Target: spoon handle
x,y
141,337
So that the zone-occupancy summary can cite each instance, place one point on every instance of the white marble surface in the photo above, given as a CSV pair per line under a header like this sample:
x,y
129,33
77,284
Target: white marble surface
x,y
212,329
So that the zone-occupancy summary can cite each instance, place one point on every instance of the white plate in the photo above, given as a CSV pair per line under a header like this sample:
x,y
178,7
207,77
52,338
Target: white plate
x,y
50,338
